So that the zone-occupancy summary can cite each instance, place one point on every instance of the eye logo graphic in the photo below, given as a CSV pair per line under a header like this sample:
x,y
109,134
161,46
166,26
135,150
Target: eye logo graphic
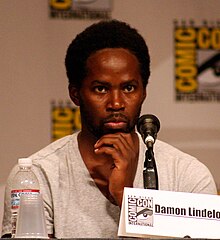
x,y
209,73
144,216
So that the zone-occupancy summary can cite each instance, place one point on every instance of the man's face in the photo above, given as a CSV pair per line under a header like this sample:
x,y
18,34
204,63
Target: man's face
x,y
112,93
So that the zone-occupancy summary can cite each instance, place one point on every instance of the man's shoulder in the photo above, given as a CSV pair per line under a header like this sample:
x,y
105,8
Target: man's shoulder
x,y
176,158
56,150
166,149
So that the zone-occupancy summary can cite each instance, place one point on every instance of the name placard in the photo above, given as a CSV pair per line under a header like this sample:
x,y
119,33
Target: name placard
x,y
151,213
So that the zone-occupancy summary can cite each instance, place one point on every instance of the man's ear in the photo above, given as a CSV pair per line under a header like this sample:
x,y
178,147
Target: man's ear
x,y
144,95
74,94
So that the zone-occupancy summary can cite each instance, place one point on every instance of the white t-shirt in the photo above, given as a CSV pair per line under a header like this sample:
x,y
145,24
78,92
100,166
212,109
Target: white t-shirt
x,y
75,207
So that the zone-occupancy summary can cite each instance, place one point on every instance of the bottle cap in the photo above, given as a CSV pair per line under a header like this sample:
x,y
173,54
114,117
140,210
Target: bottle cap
x,y
25,162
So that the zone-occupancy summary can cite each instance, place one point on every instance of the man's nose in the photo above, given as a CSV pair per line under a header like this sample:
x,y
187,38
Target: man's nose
x,y
116,101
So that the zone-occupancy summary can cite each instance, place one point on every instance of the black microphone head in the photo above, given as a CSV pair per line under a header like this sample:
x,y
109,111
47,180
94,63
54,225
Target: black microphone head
x,y
148,124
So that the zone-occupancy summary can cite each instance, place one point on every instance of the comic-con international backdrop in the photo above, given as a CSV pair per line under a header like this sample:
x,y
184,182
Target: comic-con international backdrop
x,y
84,9
197,61
65,119
183,38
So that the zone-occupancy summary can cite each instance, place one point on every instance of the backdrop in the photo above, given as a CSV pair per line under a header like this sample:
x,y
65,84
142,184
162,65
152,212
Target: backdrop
x,y
33,47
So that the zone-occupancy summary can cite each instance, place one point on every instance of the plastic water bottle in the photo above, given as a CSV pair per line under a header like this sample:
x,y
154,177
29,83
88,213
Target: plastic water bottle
x,y
24,182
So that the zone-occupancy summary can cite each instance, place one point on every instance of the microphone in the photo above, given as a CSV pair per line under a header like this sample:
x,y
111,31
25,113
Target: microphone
x,y
148,126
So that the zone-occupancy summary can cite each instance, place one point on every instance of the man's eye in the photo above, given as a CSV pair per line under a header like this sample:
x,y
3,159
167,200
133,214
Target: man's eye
x,y
100,89
129,88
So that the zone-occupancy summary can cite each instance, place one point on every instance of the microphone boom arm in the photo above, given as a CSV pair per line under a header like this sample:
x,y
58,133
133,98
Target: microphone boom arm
x,y
150,175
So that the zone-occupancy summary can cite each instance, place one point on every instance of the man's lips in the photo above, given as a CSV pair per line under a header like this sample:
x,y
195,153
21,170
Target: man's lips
x,y
115,125
116,121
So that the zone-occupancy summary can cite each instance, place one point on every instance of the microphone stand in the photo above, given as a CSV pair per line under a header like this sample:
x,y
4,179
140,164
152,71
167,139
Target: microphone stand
x,y
150,170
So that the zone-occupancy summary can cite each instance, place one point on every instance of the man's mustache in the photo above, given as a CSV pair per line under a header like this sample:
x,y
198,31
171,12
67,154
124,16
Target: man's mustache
x,y
116,117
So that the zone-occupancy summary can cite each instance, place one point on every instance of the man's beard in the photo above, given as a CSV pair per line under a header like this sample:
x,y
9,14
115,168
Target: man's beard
x,y
98,130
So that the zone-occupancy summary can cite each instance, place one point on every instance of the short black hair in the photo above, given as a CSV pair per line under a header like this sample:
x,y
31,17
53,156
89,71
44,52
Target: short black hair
x,y
101,35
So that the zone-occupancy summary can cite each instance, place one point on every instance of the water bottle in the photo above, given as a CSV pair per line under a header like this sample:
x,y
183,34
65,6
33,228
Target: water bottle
x,y
24,182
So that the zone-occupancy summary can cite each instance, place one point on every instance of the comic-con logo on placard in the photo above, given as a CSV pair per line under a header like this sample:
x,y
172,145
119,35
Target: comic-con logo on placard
x,y
197,61
140,211
92,9
65,119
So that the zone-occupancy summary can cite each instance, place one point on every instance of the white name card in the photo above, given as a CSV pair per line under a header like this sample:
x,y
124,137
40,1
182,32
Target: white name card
x,y
154,213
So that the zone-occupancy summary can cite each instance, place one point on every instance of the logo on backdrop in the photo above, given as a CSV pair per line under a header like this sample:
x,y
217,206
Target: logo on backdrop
x,y
80,9
65,119
140,211
197,62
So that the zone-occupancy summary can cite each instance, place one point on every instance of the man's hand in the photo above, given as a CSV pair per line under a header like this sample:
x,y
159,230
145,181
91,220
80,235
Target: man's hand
x,y
123,149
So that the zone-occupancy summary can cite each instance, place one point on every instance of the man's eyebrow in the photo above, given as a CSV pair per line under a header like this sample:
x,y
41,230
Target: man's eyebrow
x,y
131,81
106,83
100,82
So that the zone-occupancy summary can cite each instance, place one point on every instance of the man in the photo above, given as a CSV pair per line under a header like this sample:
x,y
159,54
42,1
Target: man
x,y
82,176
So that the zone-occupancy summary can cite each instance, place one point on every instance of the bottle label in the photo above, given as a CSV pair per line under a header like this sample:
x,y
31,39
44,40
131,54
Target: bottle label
x,y
15,196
